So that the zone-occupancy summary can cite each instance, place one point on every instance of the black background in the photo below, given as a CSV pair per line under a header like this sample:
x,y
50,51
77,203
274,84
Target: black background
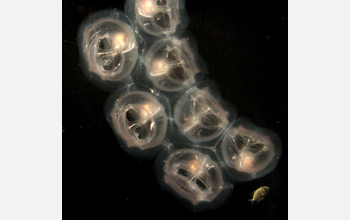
x,y
245,47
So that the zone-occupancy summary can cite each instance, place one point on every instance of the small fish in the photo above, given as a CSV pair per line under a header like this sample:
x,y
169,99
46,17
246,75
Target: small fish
x,y
259,194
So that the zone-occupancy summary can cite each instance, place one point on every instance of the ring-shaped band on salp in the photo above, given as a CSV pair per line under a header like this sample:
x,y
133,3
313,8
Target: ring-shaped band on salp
x,y
109,48
139,119
248,152
157,18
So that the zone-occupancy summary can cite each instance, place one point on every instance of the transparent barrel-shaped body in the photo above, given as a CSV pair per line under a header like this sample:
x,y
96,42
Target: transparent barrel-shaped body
x,y
193,175
109,47
155,17
139,118
170,65
199,116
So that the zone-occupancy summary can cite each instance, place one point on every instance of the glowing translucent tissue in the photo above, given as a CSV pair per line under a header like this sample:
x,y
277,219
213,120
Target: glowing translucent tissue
x,y
249,152
193,175
154,17
170,65
199,116
139,119
109,48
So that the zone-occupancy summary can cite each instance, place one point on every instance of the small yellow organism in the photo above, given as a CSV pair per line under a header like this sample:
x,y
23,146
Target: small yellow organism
x,y
259,194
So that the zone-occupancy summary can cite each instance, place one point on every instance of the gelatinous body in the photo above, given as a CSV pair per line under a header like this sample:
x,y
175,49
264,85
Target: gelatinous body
x,y
199,116
170,65
248,153
139,119
156,17
109,47
193,175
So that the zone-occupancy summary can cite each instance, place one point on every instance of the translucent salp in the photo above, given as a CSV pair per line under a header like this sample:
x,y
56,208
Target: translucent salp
x,y
193,175
249,152
171,65
199,116
157,17
139,119
109,48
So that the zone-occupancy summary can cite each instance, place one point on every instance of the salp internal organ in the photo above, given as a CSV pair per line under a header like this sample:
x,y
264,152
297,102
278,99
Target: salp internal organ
x,y
162,108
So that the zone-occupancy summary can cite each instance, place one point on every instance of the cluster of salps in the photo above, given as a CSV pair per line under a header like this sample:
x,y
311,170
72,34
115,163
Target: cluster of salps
x,y
161,106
